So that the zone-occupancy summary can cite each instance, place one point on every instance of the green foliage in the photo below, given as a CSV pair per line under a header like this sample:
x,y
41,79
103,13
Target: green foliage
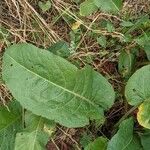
x,y
35,134
98,144
10,124
126,63
102,41
90,6
109,6
31,141
60,48
126,24
138,91
147,50
87,8
124,138
137,88
52,87
143,114
110,27
13,134
138,24
145,138
45,6
75,37
4,35
51,90
33,137
85,139
144,41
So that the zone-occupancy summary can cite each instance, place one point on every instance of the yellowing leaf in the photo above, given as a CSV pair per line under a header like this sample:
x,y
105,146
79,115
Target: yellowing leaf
x,y
76,25
143,115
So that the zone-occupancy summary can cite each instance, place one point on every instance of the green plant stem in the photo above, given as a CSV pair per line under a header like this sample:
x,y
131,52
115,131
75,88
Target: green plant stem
x,y
125,116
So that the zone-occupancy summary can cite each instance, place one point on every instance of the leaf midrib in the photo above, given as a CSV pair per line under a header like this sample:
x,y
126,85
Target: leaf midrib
x,y
75,94
36,132
115,5
127,143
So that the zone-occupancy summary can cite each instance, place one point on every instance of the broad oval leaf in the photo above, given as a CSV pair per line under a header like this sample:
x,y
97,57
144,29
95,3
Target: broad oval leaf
x,y
124,139
143,115
53,88
10,124
137,89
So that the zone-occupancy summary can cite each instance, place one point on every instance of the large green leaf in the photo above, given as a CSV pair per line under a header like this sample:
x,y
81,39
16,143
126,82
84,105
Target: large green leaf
x,y
34,136
109,5
10,124
124,138
87,8
138,87
98,144
53,88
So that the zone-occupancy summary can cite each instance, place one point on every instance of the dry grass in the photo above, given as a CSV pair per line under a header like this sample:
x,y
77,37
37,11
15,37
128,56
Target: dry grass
x,y
25,23
135,8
